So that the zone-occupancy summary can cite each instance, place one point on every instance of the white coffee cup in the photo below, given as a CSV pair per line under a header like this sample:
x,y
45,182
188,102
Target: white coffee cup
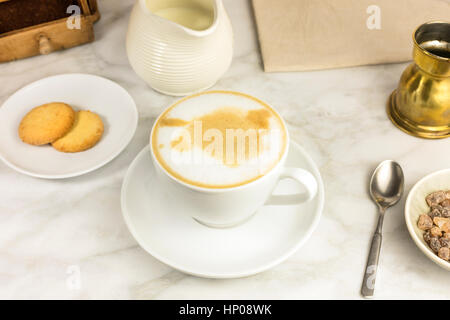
x,y
227,207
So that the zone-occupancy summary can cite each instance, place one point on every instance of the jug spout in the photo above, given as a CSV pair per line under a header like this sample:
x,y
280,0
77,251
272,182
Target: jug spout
x,y
194,17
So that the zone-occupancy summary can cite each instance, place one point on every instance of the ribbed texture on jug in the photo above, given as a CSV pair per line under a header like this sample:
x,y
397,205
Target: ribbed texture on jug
x,y
173,60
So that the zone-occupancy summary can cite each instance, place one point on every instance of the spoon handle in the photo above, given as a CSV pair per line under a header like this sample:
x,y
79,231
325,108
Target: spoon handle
x,y
368,285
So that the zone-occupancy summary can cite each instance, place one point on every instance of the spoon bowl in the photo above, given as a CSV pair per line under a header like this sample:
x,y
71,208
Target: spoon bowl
x,y
387,184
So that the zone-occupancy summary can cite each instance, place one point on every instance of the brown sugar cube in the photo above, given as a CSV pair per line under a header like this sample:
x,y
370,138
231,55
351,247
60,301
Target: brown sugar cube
x,y
444,253
446,203
445,240
425,222
427,236
435,232
445,213
435,211
435,198
442,223
435,244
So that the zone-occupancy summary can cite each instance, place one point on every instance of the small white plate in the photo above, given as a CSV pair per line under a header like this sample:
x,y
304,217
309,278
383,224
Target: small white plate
x,y
416,205
163,230
82,91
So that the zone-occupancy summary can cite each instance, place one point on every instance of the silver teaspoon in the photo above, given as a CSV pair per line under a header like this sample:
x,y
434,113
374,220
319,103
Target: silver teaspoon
x,y
386,189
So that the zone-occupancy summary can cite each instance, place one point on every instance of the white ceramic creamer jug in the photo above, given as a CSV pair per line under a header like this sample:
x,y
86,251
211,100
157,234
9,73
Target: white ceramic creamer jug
x,y
179,47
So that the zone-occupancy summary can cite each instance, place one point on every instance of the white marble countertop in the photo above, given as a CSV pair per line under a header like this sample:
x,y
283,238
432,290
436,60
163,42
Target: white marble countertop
x,y
50,228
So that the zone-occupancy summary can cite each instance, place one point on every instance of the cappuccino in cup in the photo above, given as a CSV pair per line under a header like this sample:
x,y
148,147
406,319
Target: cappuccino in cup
x,y
219,139
221,154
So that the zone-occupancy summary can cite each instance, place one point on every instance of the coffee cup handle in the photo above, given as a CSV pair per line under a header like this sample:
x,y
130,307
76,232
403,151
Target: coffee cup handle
x,y
304,178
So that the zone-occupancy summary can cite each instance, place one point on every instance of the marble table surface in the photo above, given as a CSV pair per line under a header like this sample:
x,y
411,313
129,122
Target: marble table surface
x,y
52,231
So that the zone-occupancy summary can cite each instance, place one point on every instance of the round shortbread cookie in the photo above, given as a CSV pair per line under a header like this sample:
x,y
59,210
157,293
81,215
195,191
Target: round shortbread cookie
x,y
85,133
46,123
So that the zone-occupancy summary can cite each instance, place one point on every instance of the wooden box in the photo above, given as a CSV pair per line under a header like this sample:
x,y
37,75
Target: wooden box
x,y
26,31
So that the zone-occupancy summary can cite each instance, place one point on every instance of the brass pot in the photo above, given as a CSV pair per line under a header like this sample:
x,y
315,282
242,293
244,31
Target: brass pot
x,y
421,104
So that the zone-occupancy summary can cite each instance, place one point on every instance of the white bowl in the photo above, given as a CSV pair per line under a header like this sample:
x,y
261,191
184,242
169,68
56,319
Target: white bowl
x,y
416,205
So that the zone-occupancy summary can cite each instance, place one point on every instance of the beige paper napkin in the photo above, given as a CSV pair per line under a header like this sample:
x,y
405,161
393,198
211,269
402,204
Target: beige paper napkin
x,y
298,35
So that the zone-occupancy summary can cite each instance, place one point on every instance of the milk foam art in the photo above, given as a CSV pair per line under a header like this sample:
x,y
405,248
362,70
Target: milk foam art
x,y
219,139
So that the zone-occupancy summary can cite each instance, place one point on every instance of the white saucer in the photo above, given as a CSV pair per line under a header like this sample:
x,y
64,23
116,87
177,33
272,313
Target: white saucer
x,y
82,91
164,231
